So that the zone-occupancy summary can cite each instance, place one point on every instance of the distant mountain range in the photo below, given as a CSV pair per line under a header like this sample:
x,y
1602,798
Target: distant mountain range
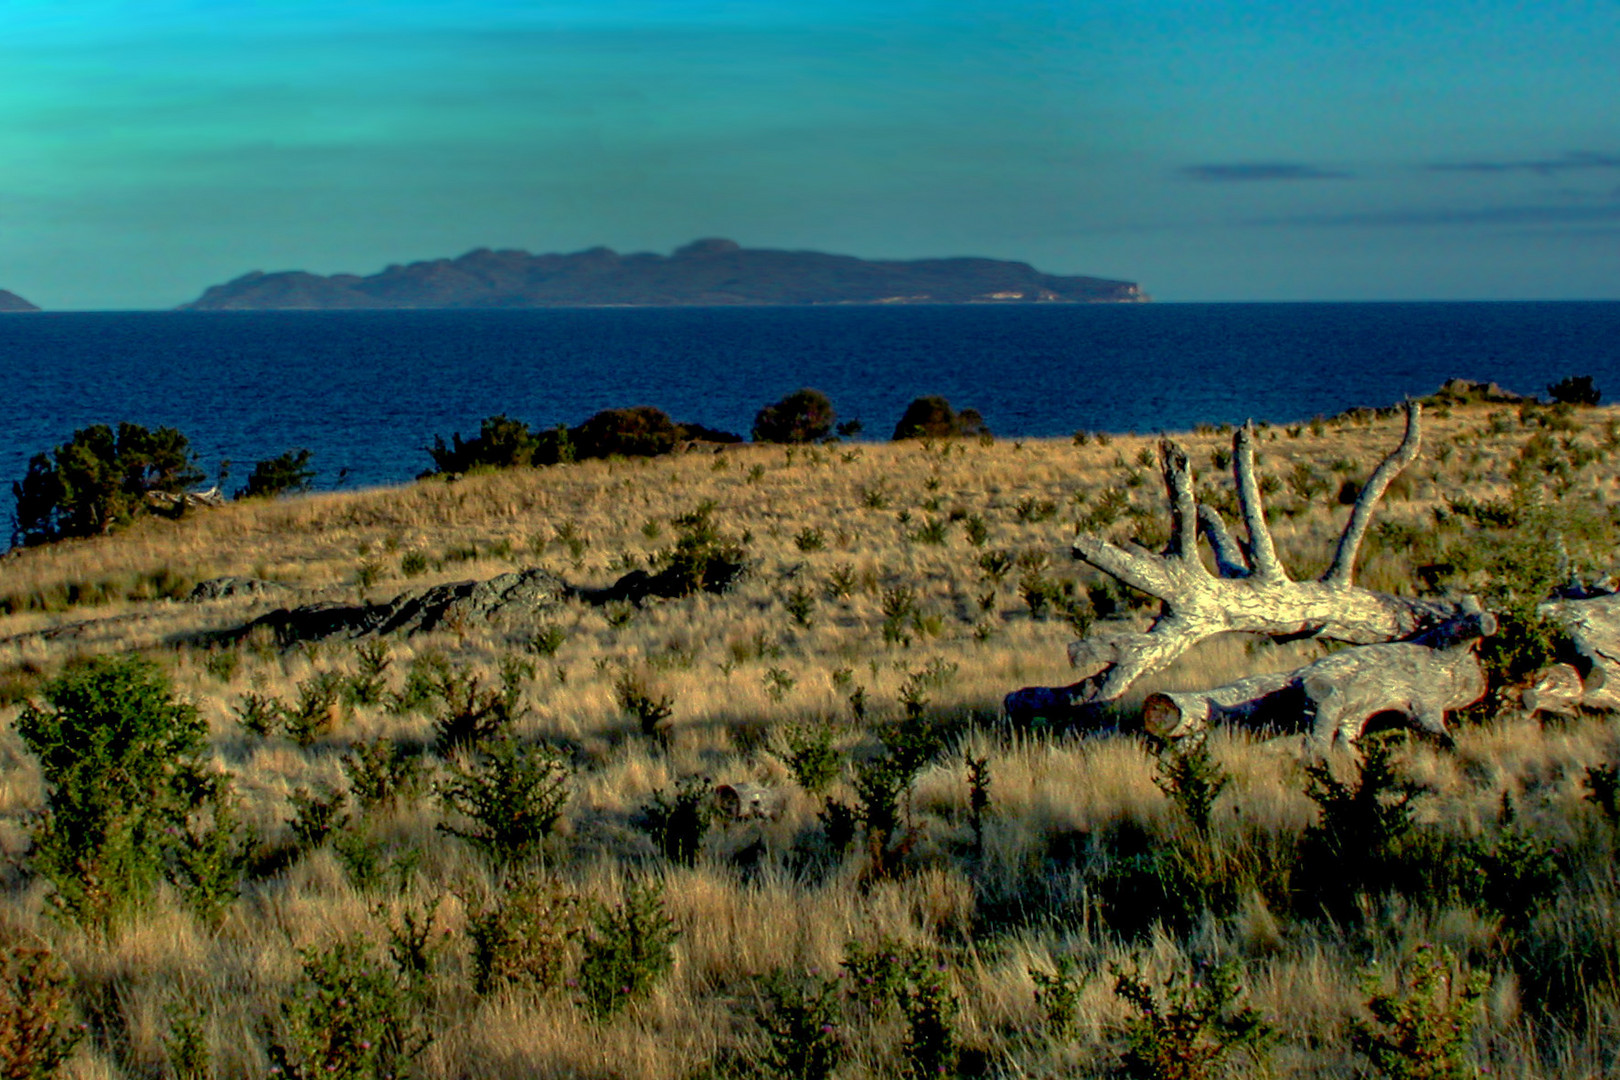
x,y
11,302
706,272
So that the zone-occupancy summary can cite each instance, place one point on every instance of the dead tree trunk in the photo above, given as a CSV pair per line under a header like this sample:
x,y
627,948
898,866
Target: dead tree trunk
x,y
1250,590
1421,679
1593,627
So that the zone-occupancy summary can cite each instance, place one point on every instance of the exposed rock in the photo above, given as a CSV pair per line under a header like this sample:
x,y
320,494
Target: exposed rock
x,y
507,600
1465,391
223,588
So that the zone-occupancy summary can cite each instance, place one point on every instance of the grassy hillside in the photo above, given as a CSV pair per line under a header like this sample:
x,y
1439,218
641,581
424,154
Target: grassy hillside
x,y
894,589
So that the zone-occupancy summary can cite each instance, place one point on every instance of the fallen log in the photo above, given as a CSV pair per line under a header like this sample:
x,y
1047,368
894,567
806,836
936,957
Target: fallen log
x,y
1334,698
1592,625
1250,590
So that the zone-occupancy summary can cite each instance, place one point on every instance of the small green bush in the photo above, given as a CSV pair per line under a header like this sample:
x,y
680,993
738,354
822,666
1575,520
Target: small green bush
x,y
1420,1029
933,418
813,759
801,1017
286,474
211,863
525,936
1357,843
629,949
37,1033
801,417
1575,390
1057,994
121,763
513,796
381,774
348,1017
317,815
677,821
931,1046
1188,1026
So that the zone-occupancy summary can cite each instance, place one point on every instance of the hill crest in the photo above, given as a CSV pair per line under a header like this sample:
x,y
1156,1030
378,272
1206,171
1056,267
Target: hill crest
x,y
706,272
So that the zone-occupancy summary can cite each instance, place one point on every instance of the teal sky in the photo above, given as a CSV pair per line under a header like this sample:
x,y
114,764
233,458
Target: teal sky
x,y
1311,149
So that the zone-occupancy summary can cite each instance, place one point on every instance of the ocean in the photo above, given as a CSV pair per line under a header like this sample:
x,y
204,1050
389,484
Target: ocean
x,y
367,391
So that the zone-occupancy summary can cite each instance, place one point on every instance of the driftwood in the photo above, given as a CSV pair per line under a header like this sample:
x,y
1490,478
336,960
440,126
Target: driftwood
x,y
1335,697
1250,590
1592,625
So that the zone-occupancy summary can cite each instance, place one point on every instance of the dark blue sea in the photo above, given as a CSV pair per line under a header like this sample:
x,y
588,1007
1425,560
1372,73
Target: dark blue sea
x,y
366,391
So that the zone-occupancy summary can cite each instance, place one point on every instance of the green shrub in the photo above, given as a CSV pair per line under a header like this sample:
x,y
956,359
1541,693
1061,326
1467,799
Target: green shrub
x,y
36,1030
381,774
931,1012
121,763
812,759
287,474
933,418
1420,1030
348,1017
1356,845
703,558
316,816
185,1044
1193,780
365,687
513,794
1190,1025
629,949
259,714
1575,390
501,443
1057,994
801,1018
99,479
213,859
678,821
318,710
801,417
879,971
639,431
471,713
650,710
370,863
524,936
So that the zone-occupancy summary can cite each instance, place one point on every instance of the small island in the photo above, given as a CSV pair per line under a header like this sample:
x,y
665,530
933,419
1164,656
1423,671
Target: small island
x,y
703,273
11,303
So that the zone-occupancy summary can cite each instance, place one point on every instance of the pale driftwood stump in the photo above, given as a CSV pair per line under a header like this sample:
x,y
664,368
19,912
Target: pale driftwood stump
x,y
1250,590
1335,697
1593,627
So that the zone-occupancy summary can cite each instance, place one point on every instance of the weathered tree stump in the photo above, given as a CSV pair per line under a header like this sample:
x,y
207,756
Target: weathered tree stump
x,y
1250,590
1335,697
1593,628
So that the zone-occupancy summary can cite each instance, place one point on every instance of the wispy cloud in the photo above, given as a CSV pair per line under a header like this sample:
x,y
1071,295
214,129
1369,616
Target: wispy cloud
x,y
1526,214
1574,161
1245,171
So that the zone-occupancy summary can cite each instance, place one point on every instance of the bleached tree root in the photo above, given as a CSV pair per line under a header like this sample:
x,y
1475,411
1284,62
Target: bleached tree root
x,y
1250,591
1335,697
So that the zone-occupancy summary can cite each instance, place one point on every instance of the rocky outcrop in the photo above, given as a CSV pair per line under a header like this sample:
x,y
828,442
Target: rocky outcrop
x,y
706,272
10,302
508,601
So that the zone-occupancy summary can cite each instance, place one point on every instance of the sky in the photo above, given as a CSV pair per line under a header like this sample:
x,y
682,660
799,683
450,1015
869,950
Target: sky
x,y
1297,150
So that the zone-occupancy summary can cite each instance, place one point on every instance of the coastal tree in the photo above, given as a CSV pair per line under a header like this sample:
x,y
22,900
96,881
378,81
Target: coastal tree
x,y
801,417
100,478
285,474
932,417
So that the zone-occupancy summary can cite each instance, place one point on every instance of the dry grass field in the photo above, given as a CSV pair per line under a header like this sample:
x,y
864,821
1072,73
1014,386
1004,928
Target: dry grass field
x,y
889,586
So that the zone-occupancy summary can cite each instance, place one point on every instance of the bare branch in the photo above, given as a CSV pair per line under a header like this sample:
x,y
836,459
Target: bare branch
x,y
1343,569
1230,560
1262,552
1183,504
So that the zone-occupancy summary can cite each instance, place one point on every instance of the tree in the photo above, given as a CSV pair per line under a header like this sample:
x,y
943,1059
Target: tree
x,y
121,759
1575,390
99,479
932,417
501,443
802,416
639,431
286,474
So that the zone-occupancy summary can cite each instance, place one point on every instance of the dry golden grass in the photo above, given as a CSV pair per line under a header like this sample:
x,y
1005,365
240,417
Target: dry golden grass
x,y
717,657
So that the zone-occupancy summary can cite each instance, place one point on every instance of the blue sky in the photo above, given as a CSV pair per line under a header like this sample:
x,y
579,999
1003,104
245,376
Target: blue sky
x,y
1255,151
